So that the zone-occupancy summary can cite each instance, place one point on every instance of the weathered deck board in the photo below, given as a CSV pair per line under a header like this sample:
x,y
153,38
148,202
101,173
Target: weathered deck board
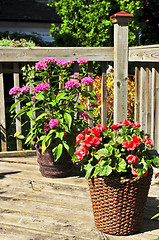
x,y
36,208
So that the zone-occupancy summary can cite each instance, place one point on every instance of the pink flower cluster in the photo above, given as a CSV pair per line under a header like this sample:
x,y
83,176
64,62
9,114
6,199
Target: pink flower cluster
x,y
86,80
76,75
89,137
43,64
53,122
16,90
70,84
64,63
125,123
49,59
83,115
46,127
25,89
41,87
148,141
40,64
82,60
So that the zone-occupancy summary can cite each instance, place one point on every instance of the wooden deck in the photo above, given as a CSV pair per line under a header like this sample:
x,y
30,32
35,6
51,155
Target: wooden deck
x,y
36,208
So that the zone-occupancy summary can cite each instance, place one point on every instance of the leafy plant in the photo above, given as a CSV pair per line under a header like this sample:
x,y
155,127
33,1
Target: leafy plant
x,y
52,92
120,149
110,98
7,42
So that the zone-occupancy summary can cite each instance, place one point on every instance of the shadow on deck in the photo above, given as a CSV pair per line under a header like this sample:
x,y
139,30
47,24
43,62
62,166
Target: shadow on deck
x,y
36,208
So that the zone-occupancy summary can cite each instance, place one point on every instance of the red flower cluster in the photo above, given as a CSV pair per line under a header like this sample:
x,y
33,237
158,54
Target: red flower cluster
x,y
131,145
90,138
125,123
132,159
148,141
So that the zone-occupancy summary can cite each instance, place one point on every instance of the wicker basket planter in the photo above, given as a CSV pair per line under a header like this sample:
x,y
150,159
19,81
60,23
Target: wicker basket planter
x,y
118,204
51,169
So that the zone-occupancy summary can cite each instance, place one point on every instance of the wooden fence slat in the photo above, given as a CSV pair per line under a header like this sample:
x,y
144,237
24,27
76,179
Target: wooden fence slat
x,y
153,105
149,96
18,120
104,95
137,87
156,142
142,97
2,113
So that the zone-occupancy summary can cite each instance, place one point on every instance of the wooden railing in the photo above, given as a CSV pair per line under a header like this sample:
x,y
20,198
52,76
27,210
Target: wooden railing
x,y
145,59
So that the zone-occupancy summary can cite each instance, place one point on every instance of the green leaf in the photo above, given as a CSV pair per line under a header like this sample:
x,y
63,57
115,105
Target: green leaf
x,y
103,168
104,152
60,96
89,171
30,113
14,105
40,96
68,119
121,165
41,116
57,151
21,137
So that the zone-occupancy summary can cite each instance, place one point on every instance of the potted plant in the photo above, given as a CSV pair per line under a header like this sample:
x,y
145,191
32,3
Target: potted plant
x,y
118,162
50,99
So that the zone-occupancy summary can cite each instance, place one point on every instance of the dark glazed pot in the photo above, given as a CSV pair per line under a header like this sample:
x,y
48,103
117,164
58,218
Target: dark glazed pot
x,y
51,169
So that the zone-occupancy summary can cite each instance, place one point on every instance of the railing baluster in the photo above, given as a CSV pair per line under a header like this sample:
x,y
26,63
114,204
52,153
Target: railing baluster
x,y
2,113
90,88
18,120
104,95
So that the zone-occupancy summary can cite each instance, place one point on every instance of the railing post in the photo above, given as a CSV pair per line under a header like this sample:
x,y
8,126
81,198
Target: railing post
x,y
120,21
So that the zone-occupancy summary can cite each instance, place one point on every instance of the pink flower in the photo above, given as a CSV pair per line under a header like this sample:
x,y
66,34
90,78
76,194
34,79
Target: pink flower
x,y
86,80
25,89
33,98
53,122
82,60
49,59
64,63
136,140
40,64
76,75
83,115
46,127
70,84
14,90
132,159
41,87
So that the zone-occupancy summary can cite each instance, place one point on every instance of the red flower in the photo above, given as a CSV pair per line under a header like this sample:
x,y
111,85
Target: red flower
x,y
132,159
136,140
96,141
96,131
145,174
81,151
88,141
114,126
133,171
128,145
79,137
148,141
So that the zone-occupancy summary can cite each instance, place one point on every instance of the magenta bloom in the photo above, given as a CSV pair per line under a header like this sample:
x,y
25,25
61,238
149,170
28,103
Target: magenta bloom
x,y
82,60
53,122
83,115
33,98
46,127
25,89
76,75
70,84
40,64
64,63
49,59
86,80
14,90
41,87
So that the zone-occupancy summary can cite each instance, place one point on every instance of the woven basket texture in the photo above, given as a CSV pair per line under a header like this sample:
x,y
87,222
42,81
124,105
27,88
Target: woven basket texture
x,y
119,203
51,169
